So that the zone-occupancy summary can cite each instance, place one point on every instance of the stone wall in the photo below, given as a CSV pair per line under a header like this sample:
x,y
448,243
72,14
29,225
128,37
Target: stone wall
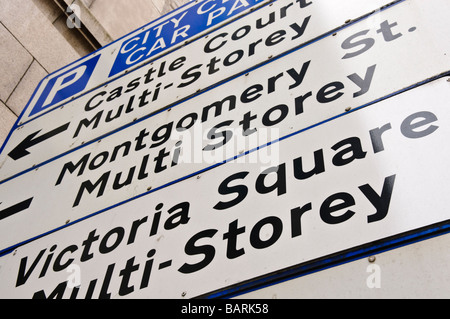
x,y
120,17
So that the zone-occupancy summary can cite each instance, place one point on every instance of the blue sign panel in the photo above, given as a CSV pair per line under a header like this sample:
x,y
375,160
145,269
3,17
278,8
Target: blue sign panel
x,y
179,28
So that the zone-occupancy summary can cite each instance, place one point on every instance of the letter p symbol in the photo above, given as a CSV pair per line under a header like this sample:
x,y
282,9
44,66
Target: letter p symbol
x,y
65,85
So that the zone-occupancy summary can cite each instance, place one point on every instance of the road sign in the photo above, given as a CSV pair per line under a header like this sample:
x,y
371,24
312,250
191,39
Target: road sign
x,y
239,46
372,178
271,102
156,38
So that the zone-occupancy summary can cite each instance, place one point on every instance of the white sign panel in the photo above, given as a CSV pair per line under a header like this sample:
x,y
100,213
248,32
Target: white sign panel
x,y
369,175
228,51
270,103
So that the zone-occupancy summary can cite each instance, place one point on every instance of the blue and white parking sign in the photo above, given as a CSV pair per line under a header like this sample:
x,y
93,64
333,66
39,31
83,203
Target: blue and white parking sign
x,y
149,42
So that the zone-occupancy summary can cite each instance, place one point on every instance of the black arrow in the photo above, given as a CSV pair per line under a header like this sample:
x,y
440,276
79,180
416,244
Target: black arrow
x,y
21,150
15,209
